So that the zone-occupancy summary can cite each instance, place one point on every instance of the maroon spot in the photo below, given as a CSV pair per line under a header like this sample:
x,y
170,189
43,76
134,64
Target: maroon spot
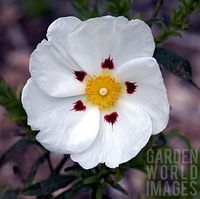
x,y
130,87
79,106
111,118
80,75
108,63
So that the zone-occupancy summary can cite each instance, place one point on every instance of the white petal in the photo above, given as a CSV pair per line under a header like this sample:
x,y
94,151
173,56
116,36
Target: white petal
x,y
62,130
150,92
118,143
51,73
61,27
91,42
135,40
57,33
94,40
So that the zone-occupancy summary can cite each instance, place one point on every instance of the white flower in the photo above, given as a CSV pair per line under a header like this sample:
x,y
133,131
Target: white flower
x,y
95,91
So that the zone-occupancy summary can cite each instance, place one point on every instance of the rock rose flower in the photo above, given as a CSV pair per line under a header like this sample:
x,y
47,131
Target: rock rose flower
x,y
95,91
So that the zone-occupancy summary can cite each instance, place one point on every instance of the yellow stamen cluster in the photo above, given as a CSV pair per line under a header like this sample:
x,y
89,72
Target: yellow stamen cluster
x,y
102,91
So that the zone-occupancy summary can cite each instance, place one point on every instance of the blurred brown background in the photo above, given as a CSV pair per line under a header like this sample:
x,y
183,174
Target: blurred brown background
x,y
23,24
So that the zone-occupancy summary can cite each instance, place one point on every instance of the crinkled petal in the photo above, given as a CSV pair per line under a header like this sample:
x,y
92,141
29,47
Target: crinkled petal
x,y
51,73
134,40
62,130
91,42
150,93
118,143
61,27
94,40
57,34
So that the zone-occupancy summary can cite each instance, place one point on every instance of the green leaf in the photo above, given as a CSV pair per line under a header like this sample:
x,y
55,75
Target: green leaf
x,y
12,104
116,186
34,169
19,145
175,64
91,180
73,191
48,186
119,8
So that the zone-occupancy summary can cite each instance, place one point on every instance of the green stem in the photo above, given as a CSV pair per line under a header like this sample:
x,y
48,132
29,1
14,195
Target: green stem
x,y
177,19
97,192
60,165
157,9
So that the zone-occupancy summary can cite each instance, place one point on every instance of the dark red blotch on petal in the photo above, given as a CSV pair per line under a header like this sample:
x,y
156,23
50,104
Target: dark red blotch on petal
x,y
111,118
130,87
108,63
80,75
79,106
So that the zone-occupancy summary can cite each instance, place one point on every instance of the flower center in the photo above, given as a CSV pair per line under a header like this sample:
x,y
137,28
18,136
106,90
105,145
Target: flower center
x,y
103,91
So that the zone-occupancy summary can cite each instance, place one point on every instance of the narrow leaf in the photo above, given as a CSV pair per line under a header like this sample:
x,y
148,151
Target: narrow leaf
x,y
175,64
119,188
14,149
12,104
116,186
48,186
97,192
34,169
91,180
73,191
